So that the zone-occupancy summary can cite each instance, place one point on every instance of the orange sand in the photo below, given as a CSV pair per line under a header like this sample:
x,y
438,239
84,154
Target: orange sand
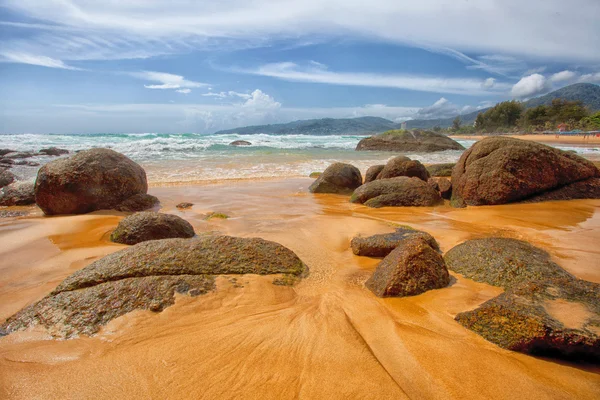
x,y
327,337
562,139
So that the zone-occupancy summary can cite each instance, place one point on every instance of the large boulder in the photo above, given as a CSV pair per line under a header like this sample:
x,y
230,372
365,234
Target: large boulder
x,y
409,141
148,225
383,244
412,268
90,180
444,169
373,172
146,276
403,166
442,185
501,170
544,311
337,178
401,191
53,151
17,194
6,177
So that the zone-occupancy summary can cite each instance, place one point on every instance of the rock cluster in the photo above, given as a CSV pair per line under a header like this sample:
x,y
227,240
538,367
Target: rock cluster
x,y
409,141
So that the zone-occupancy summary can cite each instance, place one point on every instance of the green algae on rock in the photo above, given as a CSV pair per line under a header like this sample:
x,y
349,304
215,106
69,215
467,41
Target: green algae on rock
x,y
444,169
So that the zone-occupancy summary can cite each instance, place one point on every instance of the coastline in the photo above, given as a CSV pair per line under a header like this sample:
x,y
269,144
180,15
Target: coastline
x,y
325,337
541,138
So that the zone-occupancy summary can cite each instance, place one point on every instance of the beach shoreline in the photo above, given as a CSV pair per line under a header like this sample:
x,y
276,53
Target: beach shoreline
x,y
572,140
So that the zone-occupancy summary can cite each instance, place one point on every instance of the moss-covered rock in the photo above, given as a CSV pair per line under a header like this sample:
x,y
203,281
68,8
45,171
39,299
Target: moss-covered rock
x,y
409,141
315,175
383,244
337,178
401,191
146,276
411,268
148,225
216,215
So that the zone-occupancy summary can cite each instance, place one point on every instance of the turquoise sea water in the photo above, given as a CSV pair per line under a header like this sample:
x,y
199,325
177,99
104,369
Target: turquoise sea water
x,y
188,157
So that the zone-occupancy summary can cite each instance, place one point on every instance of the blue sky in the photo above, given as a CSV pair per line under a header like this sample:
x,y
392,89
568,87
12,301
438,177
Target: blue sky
x,y
69,66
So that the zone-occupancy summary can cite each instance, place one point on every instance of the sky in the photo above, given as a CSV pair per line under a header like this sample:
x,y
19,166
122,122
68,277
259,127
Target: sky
x,y
111,66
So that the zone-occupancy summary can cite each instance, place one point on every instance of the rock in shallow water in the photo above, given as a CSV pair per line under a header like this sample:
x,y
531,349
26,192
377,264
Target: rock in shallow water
x,y
409,141
146,276
412,268
401,191
383,244
90,180
337,178
143,226
138,202
6,177
17,194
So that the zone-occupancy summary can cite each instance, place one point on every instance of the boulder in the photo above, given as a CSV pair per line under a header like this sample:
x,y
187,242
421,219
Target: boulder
x,y
383,244
184,205
337,178
4,152
440,169
18,155
240,143
587,189
401,191
499,170
6,162
412,268
403,166
146,276
315,175
544,310
17,194
138,202
442,185
409,141
373,172
6,178
53,151
90,180
143,226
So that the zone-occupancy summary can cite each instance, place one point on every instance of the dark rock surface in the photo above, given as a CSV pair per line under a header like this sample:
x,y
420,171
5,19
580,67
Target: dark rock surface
x,y
545,310
90,180
19,154
184,205
6,162
53,151
6,177
501,170
138,202
587,189
148,225
17,194
4,152
405,141
240,143
337,178
412,268
442,185
401,191
146,276
440,169
383,244
403,166
373,172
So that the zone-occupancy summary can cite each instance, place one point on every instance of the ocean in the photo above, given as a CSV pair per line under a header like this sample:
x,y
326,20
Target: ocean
x,y
192,158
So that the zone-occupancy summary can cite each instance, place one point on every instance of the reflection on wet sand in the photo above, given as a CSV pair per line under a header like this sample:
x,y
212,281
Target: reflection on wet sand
x,y
326,337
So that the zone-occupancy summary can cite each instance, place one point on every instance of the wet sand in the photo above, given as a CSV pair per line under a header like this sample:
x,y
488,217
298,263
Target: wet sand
x,y
577,140
327,337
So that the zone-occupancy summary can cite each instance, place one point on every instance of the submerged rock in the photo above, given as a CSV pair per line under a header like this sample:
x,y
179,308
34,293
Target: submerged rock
x,y
337,178
17,194
6,178
403,166
315,175
501,170
401,191
138,202
53,151
184,205
4,152
412,268
383,244
240,143
442,185
90,180
146,276
373,172
545,310
143,226
409,141
19,154
440,169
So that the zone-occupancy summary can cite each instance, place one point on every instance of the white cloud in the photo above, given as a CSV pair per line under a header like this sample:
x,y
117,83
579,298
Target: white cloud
x,y
31,59
444,109
563,76
184,91
590,78
438,84
529,86
223,95
488,83
126,29
167,81
261,101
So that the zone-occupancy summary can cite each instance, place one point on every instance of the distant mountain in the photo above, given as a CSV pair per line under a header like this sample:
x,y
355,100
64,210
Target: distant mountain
x,y
325,126
587,93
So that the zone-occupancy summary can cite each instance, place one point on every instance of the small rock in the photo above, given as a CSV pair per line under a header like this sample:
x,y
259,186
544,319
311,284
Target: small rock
x,y
148,225
315,174
337,178
373,172
17,155
17,194
442,185
138,202
218,215
383,244
184,205
54,151
240,143
6,178
4,152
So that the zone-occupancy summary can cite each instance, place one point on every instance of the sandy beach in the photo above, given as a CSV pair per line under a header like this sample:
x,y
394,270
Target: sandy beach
x,y
548,139
326,337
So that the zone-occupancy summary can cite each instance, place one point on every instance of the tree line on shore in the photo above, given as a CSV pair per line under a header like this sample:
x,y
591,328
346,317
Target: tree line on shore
x,y
512,116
